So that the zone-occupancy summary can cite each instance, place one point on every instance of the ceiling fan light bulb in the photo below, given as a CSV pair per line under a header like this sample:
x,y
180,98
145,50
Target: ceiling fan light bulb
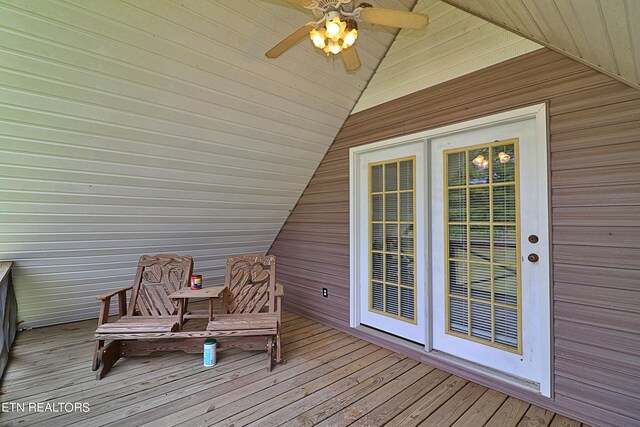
x,y
350,38
335,49
318,39
333,27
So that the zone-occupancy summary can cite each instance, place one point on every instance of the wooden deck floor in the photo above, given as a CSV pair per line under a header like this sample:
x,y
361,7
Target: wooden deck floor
x,y
328,378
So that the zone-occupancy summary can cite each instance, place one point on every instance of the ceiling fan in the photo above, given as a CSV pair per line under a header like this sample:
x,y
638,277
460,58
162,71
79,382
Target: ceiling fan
x,y
336,27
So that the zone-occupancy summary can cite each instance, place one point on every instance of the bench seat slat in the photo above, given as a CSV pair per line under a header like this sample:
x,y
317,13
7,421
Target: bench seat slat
x,y
140,324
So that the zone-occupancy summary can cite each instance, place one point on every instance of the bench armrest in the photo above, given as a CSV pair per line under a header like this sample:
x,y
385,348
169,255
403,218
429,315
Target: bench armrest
x,y
113,293
105,301
279,290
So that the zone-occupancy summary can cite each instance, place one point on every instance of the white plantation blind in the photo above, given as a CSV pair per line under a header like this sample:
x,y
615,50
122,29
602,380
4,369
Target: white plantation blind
x,y
391,242
482,274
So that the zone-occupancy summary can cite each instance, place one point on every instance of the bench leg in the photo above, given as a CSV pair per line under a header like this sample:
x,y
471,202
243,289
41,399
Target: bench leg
x,y
96,350
278,350
107,357
269,353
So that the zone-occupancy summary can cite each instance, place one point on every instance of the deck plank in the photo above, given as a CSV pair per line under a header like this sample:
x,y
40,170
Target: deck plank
x,y
405,398
330,407
429,403
482,410
509,414
455,407
327,378
536,417
273,413
243,401
562,421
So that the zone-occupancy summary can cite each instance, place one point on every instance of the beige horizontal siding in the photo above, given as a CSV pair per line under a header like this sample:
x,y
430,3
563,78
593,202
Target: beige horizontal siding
x,y
154,126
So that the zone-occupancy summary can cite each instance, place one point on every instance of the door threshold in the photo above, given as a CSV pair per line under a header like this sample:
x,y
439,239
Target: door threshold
x,y
449,363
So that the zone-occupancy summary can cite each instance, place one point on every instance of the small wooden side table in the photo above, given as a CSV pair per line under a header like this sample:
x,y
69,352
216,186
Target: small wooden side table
x,y
184,294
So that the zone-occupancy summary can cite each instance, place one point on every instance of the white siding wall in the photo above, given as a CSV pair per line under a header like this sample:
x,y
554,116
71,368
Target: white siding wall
x,y
152,126
454,44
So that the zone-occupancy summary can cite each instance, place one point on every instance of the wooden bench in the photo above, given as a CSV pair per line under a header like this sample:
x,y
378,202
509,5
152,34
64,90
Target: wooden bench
x,y
150,310
252,303
251,318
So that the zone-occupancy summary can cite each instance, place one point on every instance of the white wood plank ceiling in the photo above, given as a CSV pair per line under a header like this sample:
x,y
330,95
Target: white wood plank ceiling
x,y
454,44
604,34
155,126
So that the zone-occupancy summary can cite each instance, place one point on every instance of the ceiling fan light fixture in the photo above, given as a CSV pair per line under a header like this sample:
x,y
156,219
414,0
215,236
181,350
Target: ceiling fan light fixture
x,y
318,38
335,27
334,47
335,35
351,34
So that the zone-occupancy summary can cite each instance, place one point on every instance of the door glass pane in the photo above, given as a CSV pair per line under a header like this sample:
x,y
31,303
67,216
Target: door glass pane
x,y
391,207
377,266
481,320
505,285
506,320
406,238
391,237
458,315
480,279
479,167
391,299
504,244
483,273
479,204
406,175
391,268
458,205
377,236
458,241
480,243
376,207
457,171
377,298
407,303
391,176
406,206
392,241
504,203
376,179
504,163
406,270
458,278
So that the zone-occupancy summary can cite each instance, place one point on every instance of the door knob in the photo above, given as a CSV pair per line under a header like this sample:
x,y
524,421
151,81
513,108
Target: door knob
x,y
533,257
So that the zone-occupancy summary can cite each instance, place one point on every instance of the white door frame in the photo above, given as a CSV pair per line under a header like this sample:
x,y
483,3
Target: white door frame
x,y
412,331
539,113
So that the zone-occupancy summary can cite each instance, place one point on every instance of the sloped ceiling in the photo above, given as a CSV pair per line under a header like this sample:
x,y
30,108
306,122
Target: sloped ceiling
x,y
454,44
155,126
604,34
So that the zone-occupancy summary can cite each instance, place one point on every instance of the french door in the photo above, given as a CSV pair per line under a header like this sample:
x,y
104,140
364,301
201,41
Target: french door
x,y
392,233
450,243
490,276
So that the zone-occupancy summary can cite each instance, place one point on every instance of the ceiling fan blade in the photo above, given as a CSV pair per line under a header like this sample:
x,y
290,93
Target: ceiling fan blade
x,y
290,40
350,58
303,3
394,18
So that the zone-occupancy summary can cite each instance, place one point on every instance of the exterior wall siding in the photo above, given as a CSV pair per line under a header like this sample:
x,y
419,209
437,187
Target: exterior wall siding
x,y
133,127
595,218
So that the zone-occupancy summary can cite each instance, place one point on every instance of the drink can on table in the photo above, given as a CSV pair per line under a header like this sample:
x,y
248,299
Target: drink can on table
x,y
196,281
